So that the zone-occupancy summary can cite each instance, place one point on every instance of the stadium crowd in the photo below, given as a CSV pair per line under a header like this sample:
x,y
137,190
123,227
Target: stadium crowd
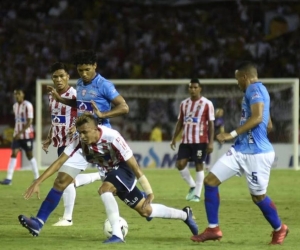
x,y
135,41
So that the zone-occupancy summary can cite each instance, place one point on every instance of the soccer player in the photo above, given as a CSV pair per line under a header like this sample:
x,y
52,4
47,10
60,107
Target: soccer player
x,y
252,154
23,136
63,117
196,119
105,146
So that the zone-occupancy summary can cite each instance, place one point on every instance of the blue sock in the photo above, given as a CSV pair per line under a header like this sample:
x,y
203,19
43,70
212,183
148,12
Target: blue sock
x,y
270,212
212,203
49,204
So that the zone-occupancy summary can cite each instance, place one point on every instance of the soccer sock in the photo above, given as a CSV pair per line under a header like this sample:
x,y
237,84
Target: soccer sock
x,y
11,168
199,182
49,204
112,212
84,179
35,169
162,211
69,196
270,212
185,174
212,203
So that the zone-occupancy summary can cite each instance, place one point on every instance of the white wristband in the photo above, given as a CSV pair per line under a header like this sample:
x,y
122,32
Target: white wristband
x,y
145,184
233,134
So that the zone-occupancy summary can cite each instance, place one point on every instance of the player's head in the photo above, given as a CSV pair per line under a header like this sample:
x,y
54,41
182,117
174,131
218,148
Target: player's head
x,y
60,76
245,74
87,127
195,88
86,64
19,95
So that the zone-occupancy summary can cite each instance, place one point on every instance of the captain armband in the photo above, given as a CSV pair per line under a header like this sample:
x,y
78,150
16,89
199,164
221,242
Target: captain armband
x,y
145,184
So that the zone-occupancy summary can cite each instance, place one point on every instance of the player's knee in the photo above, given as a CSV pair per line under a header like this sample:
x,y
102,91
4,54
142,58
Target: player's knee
x,y
180,165
60,184
211,180
257,198
107,189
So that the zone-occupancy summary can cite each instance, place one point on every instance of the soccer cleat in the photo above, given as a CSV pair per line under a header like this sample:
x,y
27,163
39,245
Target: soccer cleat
x,y
145,195
6,182
279,236
32,224
209,234
195,198
190,194
113,239
190,221
63,223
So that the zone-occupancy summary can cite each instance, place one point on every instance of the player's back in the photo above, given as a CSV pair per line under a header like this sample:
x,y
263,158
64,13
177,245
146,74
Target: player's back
x,y
256,139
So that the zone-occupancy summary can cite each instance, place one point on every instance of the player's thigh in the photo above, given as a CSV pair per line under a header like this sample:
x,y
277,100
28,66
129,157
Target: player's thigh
x,y
227,166
258,168
133,199
77,161
184,152
69,170
199,152
15,147
26,145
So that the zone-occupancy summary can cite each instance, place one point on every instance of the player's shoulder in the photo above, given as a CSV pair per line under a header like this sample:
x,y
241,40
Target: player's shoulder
x,y
205,100
186,100
108,134
27,103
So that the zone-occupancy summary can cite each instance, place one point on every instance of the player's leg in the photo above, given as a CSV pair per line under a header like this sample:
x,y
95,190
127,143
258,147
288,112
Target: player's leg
x,y
27,146
135,200
225,168
258,174
15,148
184,153
65,176
199,155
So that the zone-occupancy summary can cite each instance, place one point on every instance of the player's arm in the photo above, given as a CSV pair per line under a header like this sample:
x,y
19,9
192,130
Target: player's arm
x,y
26,126
120,107
58,98
177,130
270,125
47,142
211,133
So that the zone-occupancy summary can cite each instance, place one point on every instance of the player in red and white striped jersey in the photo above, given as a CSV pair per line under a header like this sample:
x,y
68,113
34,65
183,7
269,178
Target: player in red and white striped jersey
x,y
196,121
63,117
23,135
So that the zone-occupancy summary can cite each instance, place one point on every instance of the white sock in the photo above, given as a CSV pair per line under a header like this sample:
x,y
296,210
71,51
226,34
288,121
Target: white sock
x,y
162,211
185,174
69,196
112,212
11,168
84,179
199,182
35,169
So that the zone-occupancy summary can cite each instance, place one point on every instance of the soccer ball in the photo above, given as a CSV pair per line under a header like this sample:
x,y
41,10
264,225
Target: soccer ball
x,y
107,230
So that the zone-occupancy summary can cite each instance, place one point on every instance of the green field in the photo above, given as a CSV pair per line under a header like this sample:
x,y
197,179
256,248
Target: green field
x,y
241,221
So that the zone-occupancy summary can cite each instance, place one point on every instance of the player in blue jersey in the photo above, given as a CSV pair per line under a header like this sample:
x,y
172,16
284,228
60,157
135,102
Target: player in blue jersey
x,y
252,154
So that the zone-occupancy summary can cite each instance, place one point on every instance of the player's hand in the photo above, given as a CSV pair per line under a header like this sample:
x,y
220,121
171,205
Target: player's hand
x,y
52,91
46,144
34,188
173,144
222,137
17,136
71,131
96,110
148,200
210,148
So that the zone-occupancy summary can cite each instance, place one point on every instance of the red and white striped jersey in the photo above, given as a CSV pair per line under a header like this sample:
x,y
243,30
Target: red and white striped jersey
x,y
62,117
195,116
23,112
108,152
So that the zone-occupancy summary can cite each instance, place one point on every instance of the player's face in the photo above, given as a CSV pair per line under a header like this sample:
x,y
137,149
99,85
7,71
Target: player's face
x,y
87,72
60,79
19,96
88,133
194,90
241,80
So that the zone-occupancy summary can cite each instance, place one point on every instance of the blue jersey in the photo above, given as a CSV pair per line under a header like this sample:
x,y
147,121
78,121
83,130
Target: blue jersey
x,y
255,140
99,90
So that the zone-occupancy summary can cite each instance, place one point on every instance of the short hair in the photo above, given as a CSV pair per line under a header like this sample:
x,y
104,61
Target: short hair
x,y
84,57
57,66
247,66
19,90
195,80
86,118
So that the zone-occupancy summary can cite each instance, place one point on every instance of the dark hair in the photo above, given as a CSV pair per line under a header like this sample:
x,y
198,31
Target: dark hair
x,y
85,118
58,65
195,80
84,57
246,65
19,90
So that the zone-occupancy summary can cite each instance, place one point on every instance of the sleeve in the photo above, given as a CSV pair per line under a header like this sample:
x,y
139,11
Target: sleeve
x,y
109,90
29,110
254,95
122,148
211,111
180,115
73,147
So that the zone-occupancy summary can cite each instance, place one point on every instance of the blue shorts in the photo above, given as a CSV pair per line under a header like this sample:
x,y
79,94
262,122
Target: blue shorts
x,y
195,152
25,144
123,180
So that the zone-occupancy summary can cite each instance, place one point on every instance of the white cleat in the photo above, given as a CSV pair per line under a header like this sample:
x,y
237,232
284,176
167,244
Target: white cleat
x,y
63,223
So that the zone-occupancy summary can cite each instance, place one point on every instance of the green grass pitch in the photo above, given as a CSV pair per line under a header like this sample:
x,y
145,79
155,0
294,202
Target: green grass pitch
x,y
242,223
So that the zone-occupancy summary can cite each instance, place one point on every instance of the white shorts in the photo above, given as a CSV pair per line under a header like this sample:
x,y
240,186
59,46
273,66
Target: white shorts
x,y
77,161
256,167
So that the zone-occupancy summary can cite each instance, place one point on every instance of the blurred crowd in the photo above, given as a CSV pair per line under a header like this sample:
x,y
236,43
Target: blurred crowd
x,y
135,41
